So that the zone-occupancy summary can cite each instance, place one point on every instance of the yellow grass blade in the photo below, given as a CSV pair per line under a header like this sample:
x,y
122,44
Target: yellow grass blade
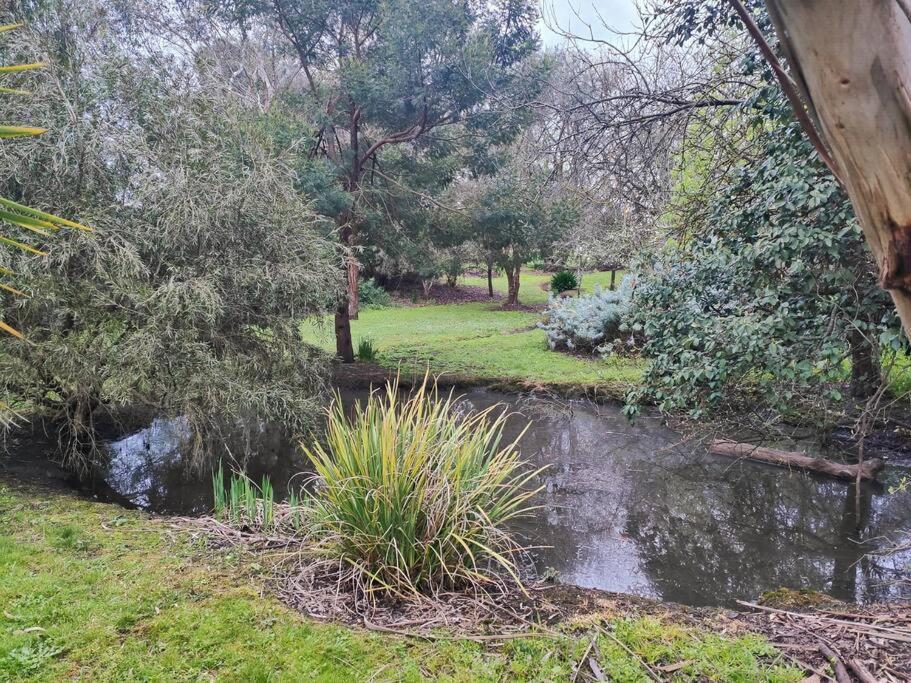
x,y
35,213
22,246
33,224
12,290
19,131
10,27
16,68
11,330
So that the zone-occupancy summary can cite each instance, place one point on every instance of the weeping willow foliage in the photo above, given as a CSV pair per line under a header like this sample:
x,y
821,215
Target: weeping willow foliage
x,y
35,224
187,296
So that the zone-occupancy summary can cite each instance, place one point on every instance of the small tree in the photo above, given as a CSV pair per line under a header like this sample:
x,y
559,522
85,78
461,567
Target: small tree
x,y
382,74
516,223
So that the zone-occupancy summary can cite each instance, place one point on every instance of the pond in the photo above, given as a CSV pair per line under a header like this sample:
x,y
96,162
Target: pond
x,y
623,507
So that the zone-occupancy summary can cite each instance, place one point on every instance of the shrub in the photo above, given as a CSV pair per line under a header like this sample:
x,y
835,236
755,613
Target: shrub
x,y
413,496
587,322
372,295
366,351
563,282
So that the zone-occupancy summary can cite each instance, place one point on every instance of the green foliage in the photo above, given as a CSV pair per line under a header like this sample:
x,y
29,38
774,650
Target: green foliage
x,y
24,218
563,281
415,114
775,294
372,295
516,223
588,322
242,503
366,351
413,496
186,299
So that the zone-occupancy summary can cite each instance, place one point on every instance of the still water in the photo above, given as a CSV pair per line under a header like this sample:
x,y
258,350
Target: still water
x,y
623,508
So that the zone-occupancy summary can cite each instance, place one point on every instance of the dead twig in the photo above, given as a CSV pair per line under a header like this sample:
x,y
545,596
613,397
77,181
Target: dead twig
x,y
841,673
862,672
591,645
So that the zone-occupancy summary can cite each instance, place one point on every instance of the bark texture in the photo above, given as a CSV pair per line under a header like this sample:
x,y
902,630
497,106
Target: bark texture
x,y
773,456
512,285
852,61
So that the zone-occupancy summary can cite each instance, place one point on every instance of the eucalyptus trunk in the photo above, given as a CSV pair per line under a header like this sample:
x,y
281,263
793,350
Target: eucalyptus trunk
x,y
512,285
853,66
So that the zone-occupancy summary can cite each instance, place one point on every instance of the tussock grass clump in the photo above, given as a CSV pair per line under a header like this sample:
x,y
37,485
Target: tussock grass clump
x,y
413,496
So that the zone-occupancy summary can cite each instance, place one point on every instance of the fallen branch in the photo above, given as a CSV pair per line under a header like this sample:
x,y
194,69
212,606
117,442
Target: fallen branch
x,y
862,672
774,456
841,672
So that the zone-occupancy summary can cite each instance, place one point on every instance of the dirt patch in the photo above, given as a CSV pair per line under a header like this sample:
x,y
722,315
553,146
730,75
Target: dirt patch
x,y
443,294
523,307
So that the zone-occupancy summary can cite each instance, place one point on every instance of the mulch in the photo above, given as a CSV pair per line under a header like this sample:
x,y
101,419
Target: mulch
x,y
842,643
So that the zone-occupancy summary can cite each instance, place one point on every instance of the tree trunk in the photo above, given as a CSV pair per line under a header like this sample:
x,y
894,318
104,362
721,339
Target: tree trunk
x,y
774,456
354,292
865,375
348,304
345,222
853,64
490,279
512,285
343,346
613,279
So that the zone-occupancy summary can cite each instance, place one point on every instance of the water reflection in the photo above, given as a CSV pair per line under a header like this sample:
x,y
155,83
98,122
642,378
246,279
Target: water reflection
x,y
622,509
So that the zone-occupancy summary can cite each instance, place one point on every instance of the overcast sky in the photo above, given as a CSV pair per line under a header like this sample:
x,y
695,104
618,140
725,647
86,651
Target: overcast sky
x,y
570,14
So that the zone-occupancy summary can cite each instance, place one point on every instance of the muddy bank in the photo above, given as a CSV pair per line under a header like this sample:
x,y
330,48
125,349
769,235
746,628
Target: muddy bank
x,y
361,375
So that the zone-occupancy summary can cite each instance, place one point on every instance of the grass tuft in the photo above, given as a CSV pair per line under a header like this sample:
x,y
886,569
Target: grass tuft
x,y
244,504
366,351
413,496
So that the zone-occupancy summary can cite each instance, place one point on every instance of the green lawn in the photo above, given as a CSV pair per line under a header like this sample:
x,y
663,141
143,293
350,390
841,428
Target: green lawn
x,y
93,592
476,339
534,286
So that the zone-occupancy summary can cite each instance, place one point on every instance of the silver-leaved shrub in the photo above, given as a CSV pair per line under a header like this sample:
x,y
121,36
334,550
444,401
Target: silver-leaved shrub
x,y
588,322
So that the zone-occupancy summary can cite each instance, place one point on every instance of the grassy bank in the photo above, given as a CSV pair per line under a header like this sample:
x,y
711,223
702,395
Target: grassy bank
x,y
477,339
95,592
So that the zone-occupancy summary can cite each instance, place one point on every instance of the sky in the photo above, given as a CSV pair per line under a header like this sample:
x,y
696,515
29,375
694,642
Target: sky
x,y
574,14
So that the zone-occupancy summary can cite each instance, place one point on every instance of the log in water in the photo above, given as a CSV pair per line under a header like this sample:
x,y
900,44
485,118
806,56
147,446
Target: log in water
x,y
796,459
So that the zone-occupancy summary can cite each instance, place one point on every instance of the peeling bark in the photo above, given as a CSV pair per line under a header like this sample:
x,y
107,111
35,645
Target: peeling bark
x,y
853,64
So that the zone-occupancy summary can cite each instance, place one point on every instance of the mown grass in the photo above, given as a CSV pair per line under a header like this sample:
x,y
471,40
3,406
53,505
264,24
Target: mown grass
x,y
93,592
534,286
476,339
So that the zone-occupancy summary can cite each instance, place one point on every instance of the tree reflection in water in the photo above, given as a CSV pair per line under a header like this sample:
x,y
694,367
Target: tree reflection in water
x,y
622,509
